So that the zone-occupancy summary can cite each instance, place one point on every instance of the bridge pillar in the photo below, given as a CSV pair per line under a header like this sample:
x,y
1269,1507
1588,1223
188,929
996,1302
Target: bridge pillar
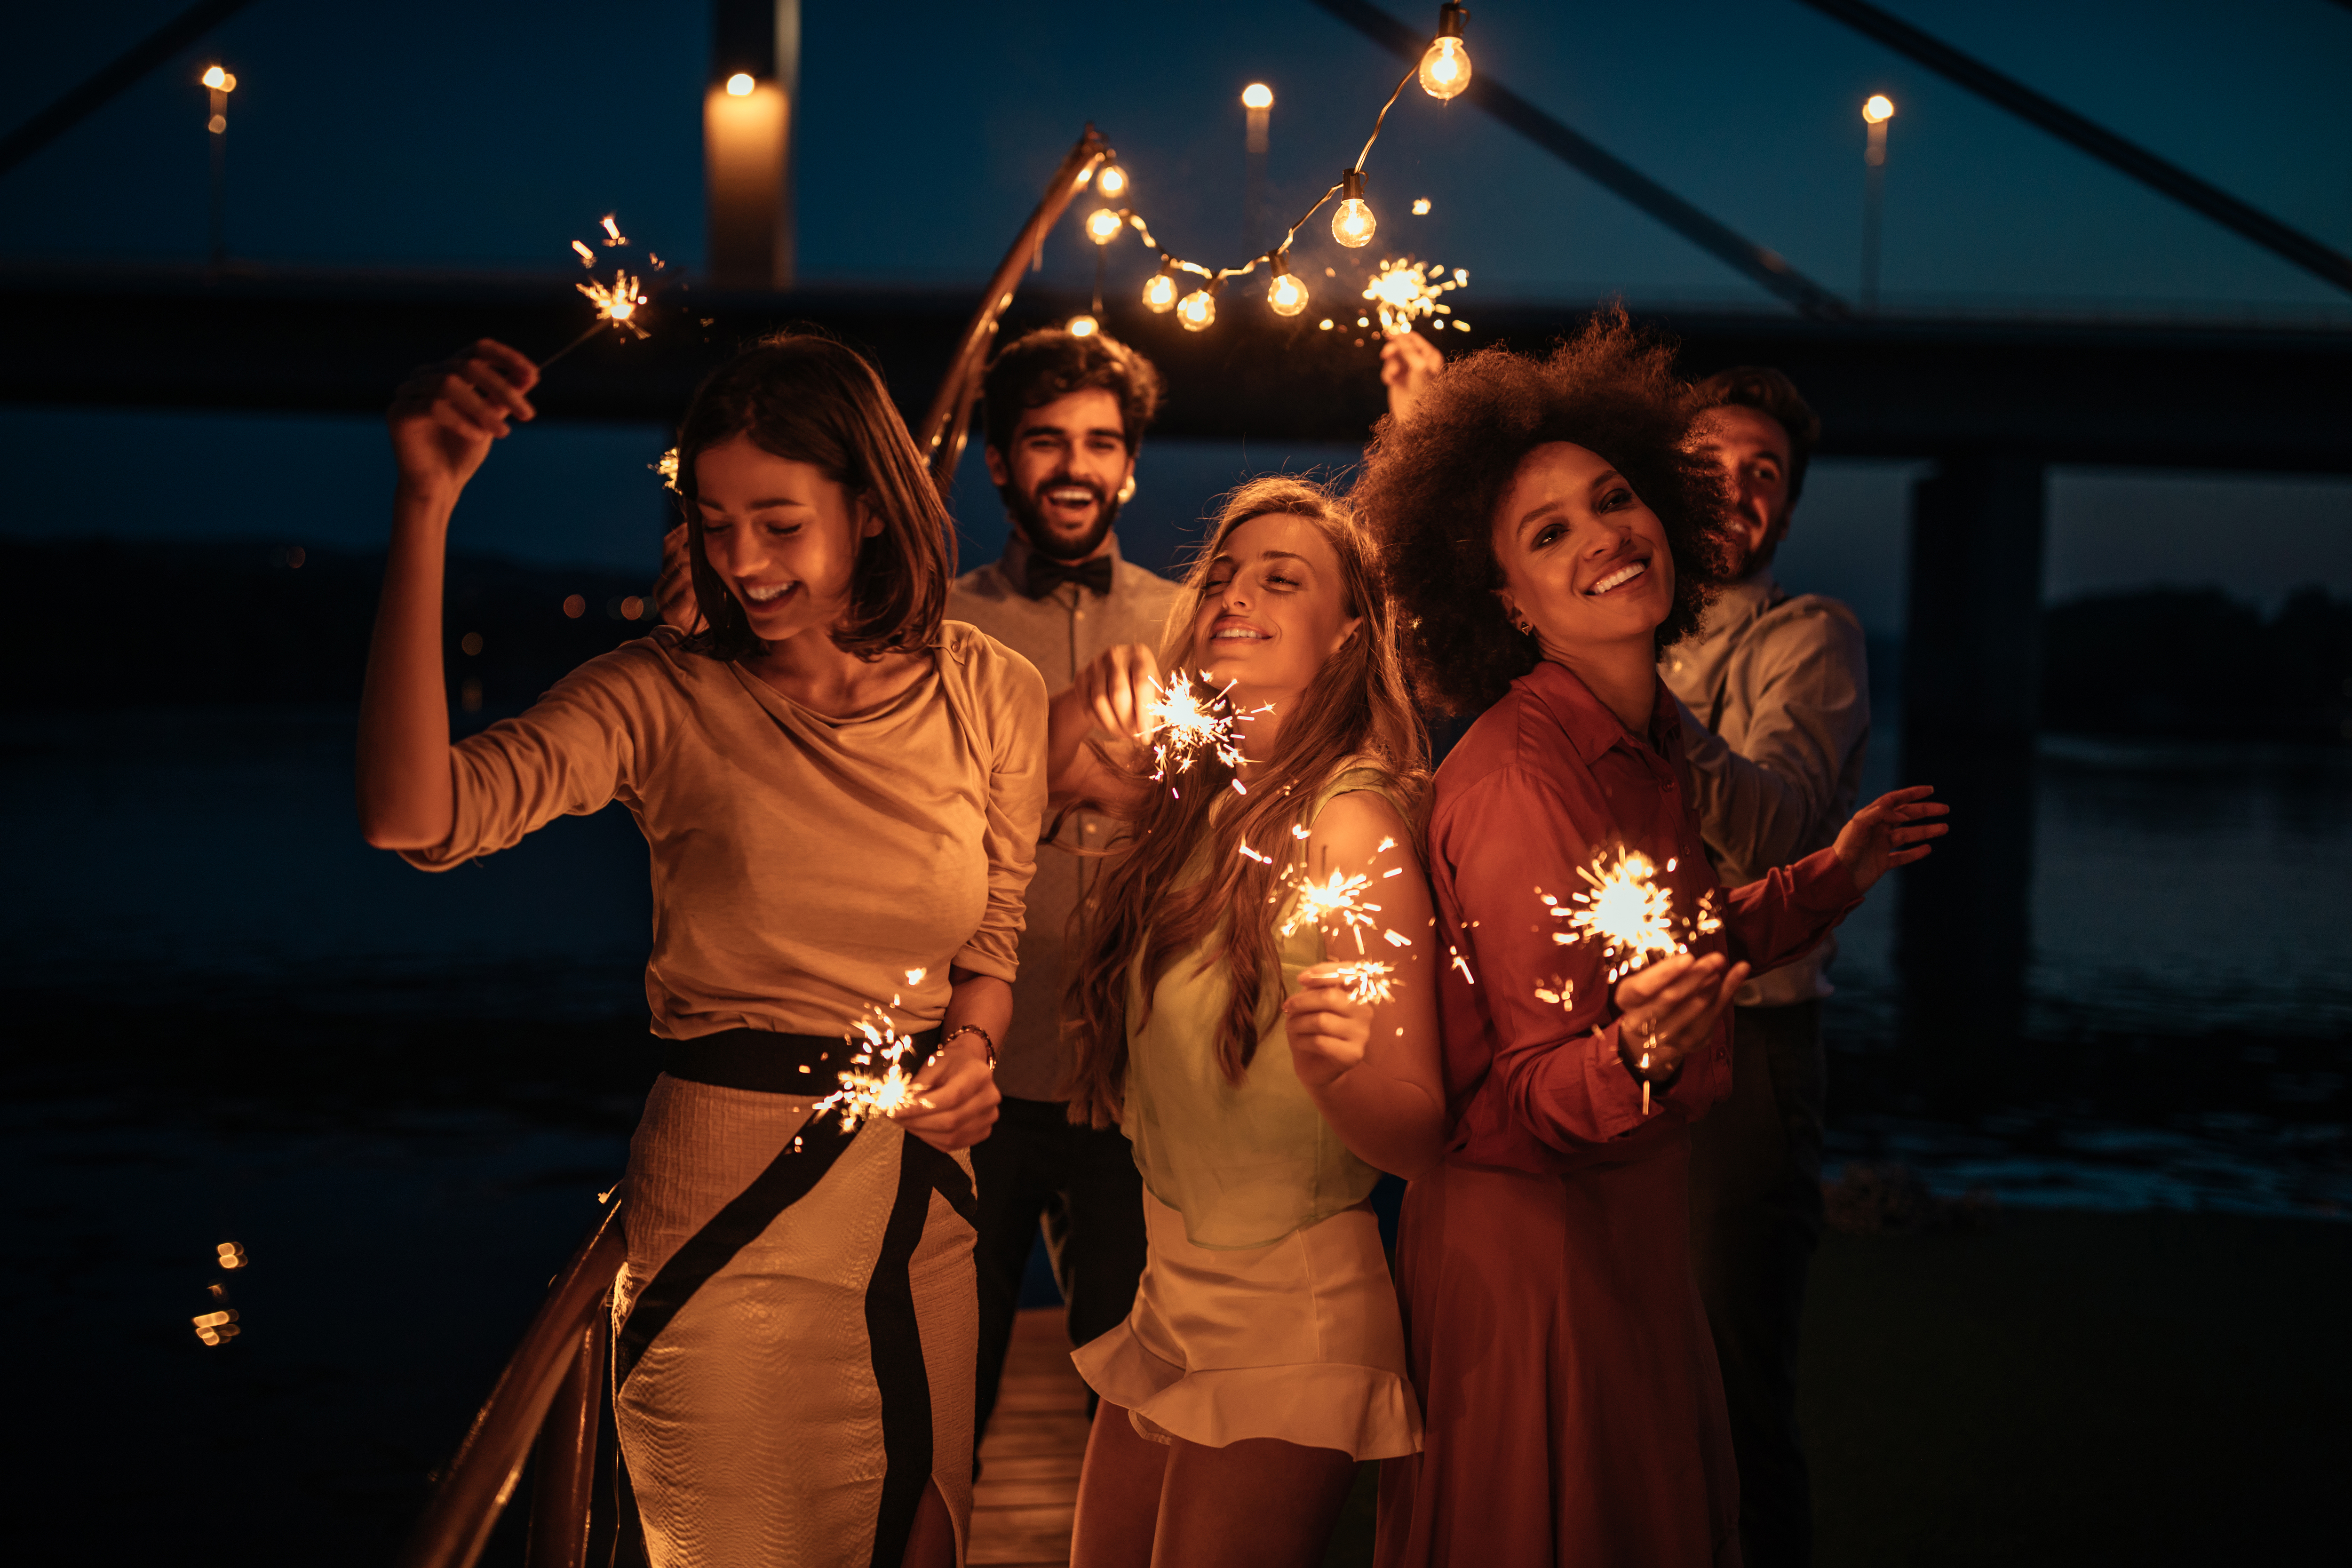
x,y
1971,687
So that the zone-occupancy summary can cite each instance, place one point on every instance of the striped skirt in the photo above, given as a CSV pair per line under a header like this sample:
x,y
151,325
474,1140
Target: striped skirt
x,y
795,1332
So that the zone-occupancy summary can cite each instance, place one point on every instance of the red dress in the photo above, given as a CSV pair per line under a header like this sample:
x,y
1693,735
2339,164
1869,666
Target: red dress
x,y
1572,1409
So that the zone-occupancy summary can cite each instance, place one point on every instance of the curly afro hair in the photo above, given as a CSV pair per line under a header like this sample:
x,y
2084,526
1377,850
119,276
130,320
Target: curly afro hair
x,y
1430,489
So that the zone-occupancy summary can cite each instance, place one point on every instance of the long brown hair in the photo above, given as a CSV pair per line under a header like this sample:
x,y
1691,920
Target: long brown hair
x,y
809,399
1357,705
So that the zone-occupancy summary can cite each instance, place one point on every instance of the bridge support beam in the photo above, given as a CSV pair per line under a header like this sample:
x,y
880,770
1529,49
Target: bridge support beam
x,y
1972,675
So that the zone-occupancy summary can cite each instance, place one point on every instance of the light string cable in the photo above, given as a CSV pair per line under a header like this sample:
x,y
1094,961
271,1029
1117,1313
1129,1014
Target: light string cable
x,y
1352,223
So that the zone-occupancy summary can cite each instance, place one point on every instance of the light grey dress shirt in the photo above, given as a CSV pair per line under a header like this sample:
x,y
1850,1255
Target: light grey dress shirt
x,y
1059,634
1776,707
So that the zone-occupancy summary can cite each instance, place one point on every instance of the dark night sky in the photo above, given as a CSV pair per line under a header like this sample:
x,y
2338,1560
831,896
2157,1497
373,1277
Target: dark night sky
x,y
433,135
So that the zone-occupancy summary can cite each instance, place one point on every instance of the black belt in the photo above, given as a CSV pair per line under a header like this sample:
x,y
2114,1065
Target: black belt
x,y
772,1063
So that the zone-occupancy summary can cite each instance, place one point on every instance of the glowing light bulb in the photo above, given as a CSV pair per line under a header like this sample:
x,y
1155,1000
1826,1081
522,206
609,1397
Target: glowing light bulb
x,y
1351,221
214,77
740,85
1083,327
1160,294
1445,69
1111,183
1103,226
1445,65
1878,109
1257,95
1197,311
1286,294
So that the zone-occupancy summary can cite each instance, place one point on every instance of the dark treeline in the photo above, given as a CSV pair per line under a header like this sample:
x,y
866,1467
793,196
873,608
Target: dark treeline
x,y
105,622
2193,662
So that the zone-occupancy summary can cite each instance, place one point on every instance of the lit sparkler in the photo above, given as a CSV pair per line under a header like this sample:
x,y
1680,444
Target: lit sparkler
x,y
1405,291
666,466
1625,910
877,1082
1369,980
1183,725
617,302
1330,902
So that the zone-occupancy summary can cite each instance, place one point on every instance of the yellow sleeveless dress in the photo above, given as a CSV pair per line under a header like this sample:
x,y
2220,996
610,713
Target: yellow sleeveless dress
x,y
1266,1308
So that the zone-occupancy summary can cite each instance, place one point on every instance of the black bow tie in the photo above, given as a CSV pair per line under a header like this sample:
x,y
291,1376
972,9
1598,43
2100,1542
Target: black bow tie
x,y
1045,574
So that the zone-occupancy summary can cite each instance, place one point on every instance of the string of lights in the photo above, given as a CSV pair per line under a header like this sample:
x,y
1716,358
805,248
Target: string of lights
x,y
1443,72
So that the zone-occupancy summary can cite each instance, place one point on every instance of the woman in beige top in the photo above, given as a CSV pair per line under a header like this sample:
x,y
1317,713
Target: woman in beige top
x,y
1261,1090
841,793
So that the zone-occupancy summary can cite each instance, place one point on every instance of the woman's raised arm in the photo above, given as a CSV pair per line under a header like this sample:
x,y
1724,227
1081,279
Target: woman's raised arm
x,y
442,422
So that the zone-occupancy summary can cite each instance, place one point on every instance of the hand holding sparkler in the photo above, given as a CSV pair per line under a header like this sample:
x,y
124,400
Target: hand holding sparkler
x,y
1328,1019
1891,831
1668,1009
1409,362
445,416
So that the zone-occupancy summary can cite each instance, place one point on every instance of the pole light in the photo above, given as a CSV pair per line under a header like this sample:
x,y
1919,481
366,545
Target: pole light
x,y
1257,102
219,83
1876,111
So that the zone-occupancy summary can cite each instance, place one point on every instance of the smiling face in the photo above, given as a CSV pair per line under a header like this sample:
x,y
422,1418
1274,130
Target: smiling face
x,y
1751,449
1584,561
1061,475
1272,609
782,536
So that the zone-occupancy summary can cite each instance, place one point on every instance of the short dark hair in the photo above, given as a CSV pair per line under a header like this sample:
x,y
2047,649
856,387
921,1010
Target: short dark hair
x,y
1766,391
806,397
1051,363
1431,487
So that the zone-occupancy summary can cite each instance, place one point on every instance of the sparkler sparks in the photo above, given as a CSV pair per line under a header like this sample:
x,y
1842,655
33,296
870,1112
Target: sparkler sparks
x,y
668,468
1333,902
1183,725
1368,981
617,302
1625,911
1405,291
877,1082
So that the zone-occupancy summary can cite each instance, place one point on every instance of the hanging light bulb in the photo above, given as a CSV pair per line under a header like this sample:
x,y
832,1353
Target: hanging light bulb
x,y
1445,65
1286,295
1083,327
1103,226
1111,183
1160,294
1199,308
1351,221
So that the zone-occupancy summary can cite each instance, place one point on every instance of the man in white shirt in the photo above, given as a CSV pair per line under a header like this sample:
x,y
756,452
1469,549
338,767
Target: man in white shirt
x,y
1777,700
1063,418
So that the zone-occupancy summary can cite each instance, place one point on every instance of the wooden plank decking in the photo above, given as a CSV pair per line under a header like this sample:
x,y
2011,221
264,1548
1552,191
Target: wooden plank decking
x,y
1028,1486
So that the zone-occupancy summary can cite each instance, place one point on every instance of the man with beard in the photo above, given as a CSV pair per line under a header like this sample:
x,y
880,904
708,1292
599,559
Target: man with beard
x,y
1062,419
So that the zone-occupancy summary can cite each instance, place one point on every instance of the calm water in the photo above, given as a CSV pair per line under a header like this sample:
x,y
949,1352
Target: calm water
x,y
2186,906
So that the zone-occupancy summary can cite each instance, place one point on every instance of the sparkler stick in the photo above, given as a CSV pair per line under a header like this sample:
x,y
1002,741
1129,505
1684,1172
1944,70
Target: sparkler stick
x,y
1633,918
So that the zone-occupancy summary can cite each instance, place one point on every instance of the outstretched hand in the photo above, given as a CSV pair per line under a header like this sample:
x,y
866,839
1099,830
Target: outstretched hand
x,y
1893,830
445,416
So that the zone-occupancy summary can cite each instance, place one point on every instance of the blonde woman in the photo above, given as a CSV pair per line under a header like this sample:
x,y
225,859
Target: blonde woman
x,y
1263,1091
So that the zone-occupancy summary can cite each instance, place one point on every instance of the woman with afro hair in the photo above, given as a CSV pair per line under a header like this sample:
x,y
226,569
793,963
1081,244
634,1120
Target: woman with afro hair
x,y
1547,534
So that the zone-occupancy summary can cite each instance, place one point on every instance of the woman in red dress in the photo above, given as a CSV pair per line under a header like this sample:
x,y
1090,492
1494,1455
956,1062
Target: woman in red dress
x,y
1548,536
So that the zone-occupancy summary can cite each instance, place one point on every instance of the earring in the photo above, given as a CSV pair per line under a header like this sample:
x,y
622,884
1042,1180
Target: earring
x,y
1126,490
1527,627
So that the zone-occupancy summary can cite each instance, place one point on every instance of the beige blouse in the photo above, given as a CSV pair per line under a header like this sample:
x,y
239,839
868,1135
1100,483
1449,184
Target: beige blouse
x,y
801,864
